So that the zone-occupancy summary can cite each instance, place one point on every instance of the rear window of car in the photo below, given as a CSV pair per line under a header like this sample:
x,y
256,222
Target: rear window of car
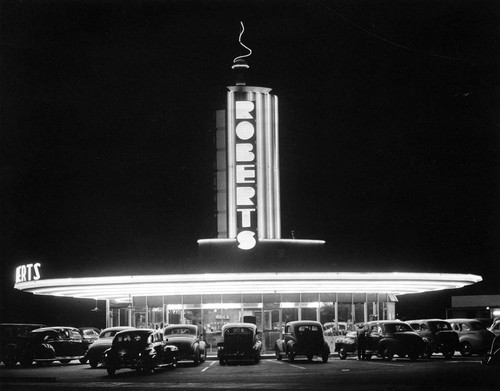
x,y
238,330
397,327
472,326
131,337
311,328
180,330
440,326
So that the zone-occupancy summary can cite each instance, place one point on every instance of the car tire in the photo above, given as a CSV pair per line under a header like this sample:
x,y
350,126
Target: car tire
x,y
309,357
222,361
64,361
93,363
448,352
342,353
465,349
111,371
196,360
291,356
278,354
387,354
413,356
324,358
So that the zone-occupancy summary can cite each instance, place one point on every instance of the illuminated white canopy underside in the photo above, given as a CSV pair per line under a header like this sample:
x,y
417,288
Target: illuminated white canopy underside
x,y
121,288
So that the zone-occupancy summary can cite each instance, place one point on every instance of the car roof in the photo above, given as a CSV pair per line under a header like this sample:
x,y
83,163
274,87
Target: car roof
x,y
229,325
304,322
426,320
463,320
54,328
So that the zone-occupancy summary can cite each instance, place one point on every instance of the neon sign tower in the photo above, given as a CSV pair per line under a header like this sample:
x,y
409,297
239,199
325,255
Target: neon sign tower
x,y
252,176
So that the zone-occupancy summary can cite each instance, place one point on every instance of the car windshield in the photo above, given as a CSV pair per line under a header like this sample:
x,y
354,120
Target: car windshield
x,y
439,326
397,327
180,330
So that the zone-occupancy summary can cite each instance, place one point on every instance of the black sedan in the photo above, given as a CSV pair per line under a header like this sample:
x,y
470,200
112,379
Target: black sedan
x,y
141,349
187,338
49,344
239,342
303,337
95,353
391,337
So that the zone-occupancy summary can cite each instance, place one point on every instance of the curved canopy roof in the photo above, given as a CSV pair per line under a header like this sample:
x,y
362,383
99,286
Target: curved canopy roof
x,y
122,287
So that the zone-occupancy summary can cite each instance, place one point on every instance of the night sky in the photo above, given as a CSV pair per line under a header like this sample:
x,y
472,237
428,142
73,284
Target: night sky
x,y
389,122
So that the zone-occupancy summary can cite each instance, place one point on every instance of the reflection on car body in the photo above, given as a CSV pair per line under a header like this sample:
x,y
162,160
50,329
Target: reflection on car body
x,y
387,338
139,349
188,339
94,354
239,342
302,338
438,336
473,335
90,334
495,327
50,344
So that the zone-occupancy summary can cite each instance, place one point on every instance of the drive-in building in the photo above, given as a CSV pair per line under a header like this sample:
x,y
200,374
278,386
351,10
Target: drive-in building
x,y
254,270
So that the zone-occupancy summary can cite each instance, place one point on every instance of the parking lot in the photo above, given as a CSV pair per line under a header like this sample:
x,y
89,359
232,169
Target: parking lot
x,y
436,373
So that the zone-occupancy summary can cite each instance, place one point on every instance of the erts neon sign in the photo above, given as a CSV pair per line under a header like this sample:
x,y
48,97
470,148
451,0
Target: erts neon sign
x,y
28,272
246,183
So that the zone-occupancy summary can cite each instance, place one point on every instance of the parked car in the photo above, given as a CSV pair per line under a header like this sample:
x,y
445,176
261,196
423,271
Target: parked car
x,y
48,344
387,338
188,339
330,329
239,342
12,339
346,344
94,354
140,349
303,337
90,334
495,327
438,336
473,336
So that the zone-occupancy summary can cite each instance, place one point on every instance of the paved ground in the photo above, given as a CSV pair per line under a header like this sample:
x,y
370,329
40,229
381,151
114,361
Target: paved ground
x,y
400,374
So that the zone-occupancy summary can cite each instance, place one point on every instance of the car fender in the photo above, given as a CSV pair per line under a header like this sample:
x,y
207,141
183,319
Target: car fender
x,y
290,346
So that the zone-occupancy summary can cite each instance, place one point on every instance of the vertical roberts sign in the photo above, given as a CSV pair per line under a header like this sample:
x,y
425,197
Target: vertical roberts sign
x,y
252,166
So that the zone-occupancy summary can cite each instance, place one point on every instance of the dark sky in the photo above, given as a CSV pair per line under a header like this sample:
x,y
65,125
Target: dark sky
x,y
388,121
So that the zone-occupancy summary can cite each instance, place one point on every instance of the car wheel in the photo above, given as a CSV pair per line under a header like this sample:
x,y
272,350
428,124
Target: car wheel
x,y
324,358
368,356
465,349
291,356
64,361
26,362
111,371
204,356
448,352
277,353
222,361
196,360
83,360
387,354
93,363
413,356
309,357
427,351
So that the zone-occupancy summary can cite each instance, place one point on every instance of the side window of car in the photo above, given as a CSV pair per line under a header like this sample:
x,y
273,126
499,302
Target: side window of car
x,y
288,330
76,336
465,327
424,327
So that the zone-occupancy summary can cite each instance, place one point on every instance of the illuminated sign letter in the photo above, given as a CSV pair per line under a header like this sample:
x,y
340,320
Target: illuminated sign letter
x,y
28,272
245,171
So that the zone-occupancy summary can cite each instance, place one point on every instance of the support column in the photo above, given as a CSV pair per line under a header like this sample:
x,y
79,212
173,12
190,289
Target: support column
x,y
318,308
336,311
109,315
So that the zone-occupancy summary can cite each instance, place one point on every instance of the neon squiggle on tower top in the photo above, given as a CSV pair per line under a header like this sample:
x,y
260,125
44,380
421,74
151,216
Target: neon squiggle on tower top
x,y
238,61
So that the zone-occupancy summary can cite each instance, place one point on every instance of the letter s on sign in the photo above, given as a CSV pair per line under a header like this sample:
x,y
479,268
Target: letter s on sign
x,y
246,240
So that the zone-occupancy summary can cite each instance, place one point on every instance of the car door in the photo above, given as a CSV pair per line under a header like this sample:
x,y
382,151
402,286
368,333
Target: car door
x,y
373,337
